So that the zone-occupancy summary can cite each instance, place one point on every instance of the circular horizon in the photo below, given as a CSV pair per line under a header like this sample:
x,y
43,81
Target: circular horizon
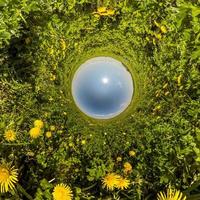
x,y
102,87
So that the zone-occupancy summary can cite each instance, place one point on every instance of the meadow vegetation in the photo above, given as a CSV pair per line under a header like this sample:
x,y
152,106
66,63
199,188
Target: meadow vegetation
x,y
48,147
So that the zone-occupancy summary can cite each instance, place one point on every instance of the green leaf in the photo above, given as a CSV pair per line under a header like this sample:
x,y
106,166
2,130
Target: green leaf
x,y
195,54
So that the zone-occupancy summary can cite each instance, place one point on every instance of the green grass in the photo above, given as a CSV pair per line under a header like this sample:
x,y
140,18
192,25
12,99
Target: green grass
x,y
161,125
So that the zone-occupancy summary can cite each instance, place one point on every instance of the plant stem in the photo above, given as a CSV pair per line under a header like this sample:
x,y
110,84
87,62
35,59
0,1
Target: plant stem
x,y
15,144
87,188
23,191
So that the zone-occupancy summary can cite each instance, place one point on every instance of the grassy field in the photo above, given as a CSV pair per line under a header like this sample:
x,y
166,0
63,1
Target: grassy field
x,y
46,141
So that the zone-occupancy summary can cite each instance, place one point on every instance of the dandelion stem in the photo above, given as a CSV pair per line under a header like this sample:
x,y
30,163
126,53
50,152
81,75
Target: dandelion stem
x,y
87,188
23,191
15,144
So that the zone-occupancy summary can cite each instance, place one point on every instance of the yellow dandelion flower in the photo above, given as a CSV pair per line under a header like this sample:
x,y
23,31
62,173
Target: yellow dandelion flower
x,y
110,181
52,128
157,108
8,177
158,36
119,159
127,167
10,135
50,51
96,15
132,153
83,142
123,183
62,192
71,144
163,29
110,12
48,134
101,9
52,77
171,195
50,98
38,123
35,132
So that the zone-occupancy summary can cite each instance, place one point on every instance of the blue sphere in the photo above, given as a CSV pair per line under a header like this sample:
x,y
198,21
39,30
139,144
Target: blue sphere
x,y
102,87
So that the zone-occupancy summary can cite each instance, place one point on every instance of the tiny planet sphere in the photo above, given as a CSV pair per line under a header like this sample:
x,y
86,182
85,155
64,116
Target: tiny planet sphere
x,y
102,87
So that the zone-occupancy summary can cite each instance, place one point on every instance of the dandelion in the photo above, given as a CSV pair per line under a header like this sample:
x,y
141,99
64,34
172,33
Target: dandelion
x,y
62,192
8,177
38,123
30,153
132,153
157,108
110,181
127,167
71,144
96,15
110,12
52,128
101,9
50,98
50,51
35,132
158,36
171,195
123,183
48,134
60,131
104,11
10,135
52,77
163,29
119,159
83,142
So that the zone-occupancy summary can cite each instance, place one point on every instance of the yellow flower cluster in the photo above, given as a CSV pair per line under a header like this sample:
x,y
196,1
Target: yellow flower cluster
x,y
171,195
103,11
52,128
113,180
52,77
39,123
132,153
62,192
8,177
36,131
127,167
49,133
10,135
